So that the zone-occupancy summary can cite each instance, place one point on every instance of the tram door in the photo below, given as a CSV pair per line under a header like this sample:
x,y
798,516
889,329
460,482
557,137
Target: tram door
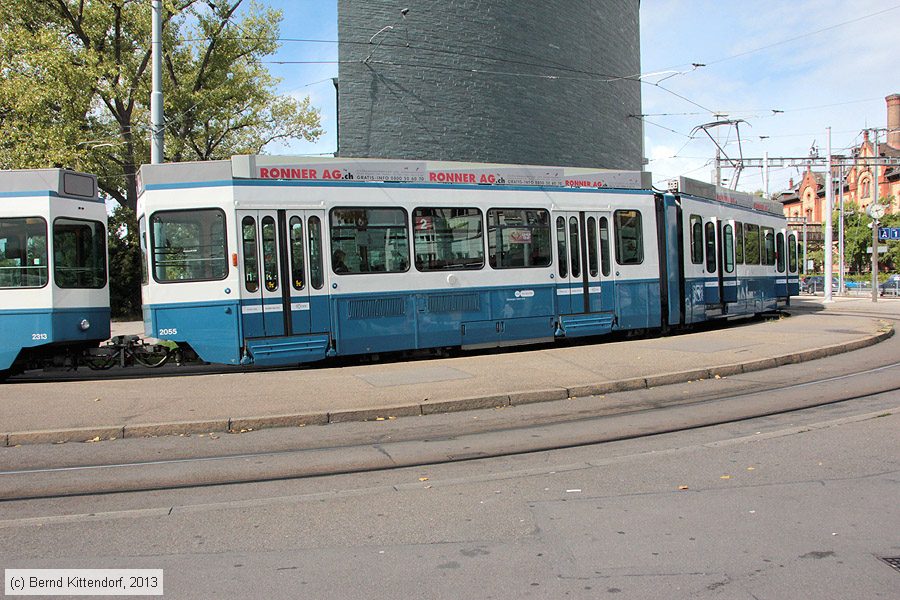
x,y
728,270
712,287
309,307
283,291
262,289
582,259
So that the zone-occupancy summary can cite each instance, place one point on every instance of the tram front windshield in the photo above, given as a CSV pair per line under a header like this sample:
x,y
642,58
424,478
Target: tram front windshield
x,y
23,253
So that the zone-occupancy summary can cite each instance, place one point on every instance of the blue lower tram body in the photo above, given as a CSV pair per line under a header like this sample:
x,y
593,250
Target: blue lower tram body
x,y
403,320
28,335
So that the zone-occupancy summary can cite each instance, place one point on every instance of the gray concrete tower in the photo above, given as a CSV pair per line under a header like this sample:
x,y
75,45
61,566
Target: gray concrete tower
x,y
508,81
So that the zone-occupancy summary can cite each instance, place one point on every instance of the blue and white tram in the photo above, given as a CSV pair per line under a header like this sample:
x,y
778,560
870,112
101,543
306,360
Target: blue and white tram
x,y
54,295
739,256
278,265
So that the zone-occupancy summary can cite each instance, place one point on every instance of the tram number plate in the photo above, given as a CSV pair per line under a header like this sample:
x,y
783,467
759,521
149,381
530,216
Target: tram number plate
x,y
39,336
171,331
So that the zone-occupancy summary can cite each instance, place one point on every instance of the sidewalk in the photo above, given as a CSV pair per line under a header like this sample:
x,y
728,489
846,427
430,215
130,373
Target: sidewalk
x,y
117,408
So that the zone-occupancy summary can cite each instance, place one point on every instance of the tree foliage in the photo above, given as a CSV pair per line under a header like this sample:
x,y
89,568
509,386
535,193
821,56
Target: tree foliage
x,y
75,86
858,238
124,264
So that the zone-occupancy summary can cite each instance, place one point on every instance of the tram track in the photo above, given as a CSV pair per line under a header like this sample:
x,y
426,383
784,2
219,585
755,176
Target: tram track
x,y
425,446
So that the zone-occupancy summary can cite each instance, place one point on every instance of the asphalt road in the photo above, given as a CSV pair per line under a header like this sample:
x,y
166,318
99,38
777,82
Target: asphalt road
x,y
797,505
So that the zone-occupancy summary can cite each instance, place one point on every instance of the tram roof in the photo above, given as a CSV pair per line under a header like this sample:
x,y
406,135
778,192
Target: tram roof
x,y
709,191
57,182
325,169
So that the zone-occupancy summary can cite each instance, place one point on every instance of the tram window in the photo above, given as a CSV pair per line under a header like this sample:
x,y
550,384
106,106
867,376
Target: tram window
x,y
629,237
751,244
518,238
270,254
251,255
710,247
696,239
448,239
591,239
562,249
768,239
728,241
739,243
792,253
297,274
372,240
188,245
316,268
23,253
779,252
604,247
79,254
574,247
142,242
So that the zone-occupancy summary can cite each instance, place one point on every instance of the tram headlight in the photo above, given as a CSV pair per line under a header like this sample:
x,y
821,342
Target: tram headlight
x,y
85,324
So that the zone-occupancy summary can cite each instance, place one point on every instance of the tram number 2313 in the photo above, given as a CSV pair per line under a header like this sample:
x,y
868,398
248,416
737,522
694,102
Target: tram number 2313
x,y
36,337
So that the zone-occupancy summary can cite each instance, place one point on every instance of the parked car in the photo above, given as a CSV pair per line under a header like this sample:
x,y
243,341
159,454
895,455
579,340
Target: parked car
x,y
816,283
808,283
891,286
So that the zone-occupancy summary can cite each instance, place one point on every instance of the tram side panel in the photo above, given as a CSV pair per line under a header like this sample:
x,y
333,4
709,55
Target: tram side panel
x,y
637,265
191,283
736,260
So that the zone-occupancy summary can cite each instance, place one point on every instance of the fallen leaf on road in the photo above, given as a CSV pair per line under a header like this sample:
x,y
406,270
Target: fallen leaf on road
x,y
725,477
95,439
682,487
423,479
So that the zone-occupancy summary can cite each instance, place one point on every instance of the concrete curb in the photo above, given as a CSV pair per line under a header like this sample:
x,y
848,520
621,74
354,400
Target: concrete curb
x,y
244,424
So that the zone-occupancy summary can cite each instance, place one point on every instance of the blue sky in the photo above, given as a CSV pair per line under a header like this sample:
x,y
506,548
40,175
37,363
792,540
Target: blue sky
x,y
822,62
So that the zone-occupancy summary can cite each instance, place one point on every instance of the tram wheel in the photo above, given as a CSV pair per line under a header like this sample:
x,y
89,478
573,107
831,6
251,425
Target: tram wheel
x,y
101,362
151,355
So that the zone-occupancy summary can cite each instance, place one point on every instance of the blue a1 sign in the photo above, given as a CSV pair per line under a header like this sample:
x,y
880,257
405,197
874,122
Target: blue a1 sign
x,y
889,233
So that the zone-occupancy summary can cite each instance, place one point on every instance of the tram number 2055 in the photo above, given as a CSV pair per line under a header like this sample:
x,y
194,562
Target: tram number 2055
x,y
171,331
36,337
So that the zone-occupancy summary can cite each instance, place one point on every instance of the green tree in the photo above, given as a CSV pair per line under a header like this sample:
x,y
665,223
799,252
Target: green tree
x,y
75,86
124,264
858,238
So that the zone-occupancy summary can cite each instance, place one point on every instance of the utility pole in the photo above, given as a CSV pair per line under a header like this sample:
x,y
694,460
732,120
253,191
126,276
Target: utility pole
x,y
876,212
805,219
157,129
766,173
829,207
841,230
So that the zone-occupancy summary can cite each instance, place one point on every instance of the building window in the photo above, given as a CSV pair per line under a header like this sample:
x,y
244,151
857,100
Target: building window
x,y
864,191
